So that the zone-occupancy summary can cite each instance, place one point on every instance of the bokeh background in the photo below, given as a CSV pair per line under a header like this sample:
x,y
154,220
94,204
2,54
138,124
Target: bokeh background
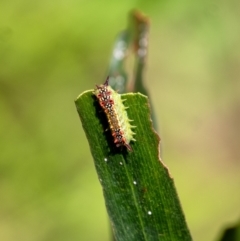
x,y
51,51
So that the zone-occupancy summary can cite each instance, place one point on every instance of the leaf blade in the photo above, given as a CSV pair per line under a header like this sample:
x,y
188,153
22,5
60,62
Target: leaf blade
x,y
140,196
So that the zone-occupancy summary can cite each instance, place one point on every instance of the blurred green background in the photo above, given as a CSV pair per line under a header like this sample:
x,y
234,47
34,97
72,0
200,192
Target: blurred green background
x,y
51,51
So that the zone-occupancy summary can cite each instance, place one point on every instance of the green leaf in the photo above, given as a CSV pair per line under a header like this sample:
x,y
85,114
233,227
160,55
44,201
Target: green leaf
x,y
140,196
141,29
135,38
117,72
231,234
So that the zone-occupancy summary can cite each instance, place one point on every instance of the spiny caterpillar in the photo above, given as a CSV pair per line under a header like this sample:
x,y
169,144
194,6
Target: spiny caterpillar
x,y
117,117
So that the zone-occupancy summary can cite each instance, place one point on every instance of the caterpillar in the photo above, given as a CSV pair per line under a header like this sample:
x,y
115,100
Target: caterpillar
x,y
112,104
